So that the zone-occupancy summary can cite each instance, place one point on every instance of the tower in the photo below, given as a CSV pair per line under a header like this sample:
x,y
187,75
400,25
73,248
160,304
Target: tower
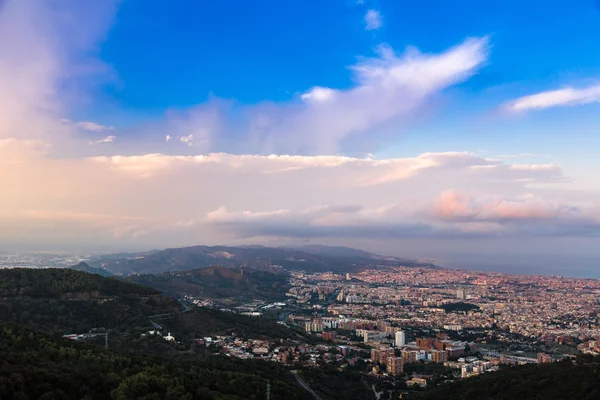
x,y
400,338
268,390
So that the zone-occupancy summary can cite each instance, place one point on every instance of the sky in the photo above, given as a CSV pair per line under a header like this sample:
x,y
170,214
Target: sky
x,y
465,132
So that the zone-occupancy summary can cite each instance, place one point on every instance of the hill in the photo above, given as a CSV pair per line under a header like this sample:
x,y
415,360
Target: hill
x,y
311,258
64,301
67,301
38,366
84,267
555,381
220,283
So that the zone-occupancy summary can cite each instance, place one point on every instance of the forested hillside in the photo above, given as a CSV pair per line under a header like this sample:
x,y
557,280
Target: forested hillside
x,y
564,380
219,283
36,366
64,283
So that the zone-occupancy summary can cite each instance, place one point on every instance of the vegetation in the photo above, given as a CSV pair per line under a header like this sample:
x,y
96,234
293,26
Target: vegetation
x,y
65,301
460,306
64,283
35,366
219,283
199,322
331,384
322,258
84,267
563,380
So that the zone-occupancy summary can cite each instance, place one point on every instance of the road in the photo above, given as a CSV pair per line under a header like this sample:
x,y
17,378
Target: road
x,y
152,318
305,386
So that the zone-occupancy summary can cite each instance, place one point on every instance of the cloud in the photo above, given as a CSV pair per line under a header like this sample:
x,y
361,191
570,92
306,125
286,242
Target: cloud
x,y
45,49
556,98
94,127
373,20
389,88
453,205
348,171
168,138
187,139
108,139
454,214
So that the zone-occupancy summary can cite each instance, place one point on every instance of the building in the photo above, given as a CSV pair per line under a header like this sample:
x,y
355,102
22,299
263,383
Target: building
x,y
371,336
380,356
330,336
543,358
438,356
400,338
313,326
410,356
169,338
453,327
460,293
330,322
455,351
395,366
425,343
348,276
417,382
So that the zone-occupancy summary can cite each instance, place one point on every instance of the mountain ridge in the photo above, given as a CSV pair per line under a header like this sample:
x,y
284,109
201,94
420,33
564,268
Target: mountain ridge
x,y
310,258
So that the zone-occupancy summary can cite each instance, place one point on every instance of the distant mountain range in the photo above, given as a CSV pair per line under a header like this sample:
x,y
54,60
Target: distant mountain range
x,y
311,258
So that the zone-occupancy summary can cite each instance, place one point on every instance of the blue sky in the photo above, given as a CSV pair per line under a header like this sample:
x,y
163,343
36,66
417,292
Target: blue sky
x,y
165,52
179,54
453,130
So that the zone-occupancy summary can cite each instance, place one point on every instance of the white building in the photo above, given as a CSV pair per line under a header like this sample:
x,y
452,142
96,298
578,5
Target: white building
x,y
400,338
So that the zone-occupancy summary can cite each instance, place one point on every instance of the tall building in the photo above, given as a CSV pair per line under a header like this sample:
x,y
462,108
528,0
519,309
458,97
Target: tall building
x,y
438,356
395,366
348,276
400,338
380,356
543,358
410,356
460,293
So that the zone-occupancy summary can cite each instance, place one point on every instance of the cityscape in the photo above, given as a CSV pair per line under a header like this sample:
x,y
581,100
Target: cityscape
x,y
299,200
471,322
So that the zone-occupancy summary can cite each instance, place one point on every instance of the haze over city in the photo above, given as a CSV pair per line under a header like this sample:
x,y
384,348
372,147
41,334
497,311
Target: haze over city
x,y
461,132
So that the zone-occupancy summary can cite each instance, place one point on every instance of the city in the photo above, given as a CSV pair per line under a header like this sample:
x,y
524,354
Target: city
x,y
299,200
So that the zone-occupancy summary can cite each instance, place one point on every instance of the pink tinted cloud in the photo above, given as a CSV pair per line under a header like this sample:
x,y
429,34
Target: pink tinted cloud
x,y
454,205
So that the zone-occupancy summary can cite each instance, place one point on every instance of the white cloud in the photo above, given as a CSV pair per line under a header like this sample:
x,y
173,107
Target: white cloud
x,y
390,89
187,139
318,94
373,20
168,138
94,127
108,139
44,49
556,98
